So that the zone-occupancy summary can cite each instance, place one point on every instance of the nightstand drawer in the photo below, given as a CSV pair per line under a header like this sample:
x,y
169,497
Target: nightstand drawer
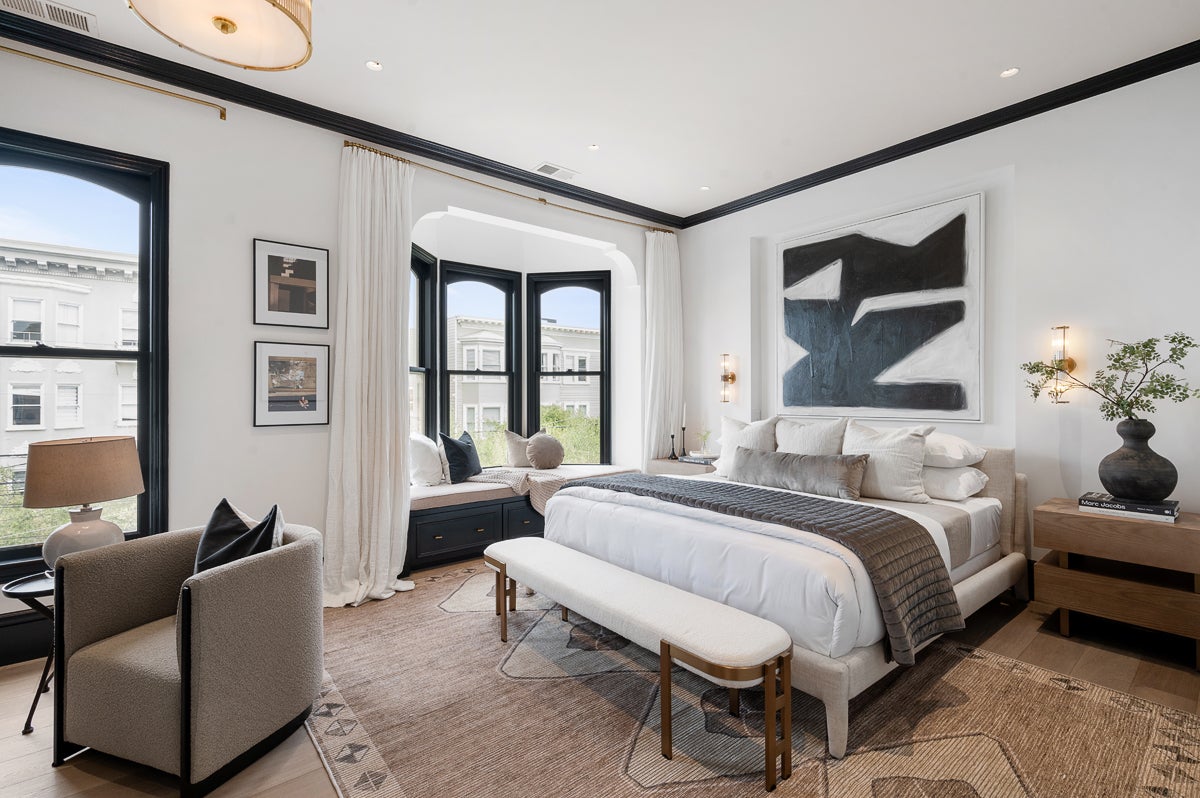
x,y
458,533
521,521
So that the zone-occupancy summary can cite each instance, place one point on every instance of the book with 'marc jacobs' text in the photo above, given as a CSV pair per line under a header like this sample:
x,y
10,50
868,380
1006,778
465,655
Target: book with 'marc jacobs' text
x,y
1105,501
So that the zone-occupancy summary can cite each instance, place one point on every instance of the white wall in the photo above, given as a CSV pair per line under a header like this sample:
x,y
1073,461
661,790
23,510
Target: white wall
x,y
253,176
1091,220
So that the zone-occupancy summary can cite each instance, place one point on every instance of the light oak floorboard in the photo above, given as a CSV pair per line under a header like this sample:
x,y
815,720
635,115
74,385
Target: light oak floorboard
x,y
1173,685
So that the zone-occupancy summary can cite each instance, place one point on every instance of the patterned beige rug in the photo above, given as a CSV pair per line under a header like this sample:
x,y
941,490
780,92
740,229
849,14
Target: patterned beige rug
x,y
425,701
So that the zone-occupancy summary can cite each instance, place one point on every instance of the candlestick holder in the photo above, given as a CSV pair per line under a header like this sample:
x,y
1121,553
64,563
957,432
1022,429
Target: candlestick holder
x,y
673,456
683,441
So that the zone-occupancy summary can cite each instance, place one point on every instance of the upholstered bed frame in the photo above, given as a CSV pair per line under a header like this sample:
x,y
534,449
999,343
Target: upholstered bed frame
x,y
836,680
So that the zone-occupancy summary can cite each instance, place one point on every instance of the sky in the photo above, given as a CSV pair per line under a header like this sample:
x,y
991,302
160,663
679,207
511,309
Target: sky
x,y
576,307
49,208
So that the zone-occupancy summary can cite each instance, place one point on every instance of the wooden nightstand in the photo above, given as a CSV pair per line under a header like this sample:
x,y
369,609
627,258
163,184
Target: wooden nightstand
x,y
1145,573
664,465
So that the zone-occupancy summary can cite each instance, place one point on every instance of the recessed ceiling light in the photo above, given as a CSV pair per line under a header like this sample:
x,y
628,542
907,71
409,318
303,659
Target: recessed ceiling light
x,y
704,188
593,147
374,66
1010,72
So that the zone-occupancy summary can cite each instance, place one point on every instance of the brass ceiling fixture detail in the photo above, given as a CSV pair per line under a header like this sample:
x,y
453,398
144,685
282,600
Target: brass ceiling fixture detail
x,y
268,35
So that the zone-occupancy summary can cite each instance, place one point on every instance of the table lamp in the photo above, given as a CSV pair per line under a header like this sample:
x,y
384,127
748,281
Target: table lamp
x,y
79,471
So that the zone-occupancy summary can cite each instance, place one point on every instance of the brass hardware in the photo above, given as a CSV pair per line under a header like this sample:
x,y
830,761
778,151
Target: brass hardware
x,y
526,522
728,378
437,537
220,108
225,25
481,529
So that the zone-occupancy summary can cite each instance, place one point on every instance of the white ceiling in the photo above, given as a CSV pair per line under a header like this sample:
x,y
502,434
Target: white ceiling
x,y
738,96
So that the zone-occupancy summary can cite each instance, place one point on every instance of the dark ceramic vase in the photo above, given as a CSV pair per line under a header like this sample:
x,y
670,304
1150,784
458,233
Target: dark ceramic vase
x,y
1135,471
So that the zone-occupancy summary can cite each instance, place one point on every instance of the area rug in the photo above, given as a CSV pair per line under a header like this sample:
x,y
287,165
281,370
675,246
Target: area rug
x,y
424,701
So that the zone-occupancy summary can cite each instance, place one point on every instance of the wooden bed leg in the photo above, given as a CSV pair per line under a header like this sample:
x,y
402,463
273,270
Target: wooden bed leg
x,y
564,613
735,702
664,695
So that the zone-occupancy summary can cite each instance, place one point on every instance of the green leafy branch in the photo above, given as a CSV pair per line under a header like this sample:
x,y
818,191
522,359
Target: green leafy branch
x,y
1131,381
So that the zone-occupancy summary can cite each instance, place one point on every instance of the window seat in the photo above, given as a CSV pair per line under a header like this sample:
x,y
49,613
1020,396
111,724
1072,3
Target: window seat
x,y
456,522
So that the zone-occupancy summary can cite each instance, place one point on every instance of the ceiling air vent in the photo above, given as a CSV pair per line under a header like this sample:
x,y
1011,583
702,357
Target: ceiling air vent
x,y
54,13
548,169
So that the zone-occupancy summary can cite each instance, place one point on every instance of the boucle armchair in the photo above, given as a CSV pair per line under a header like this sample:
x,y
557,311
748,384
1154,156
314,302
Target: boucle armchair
x,y
195,675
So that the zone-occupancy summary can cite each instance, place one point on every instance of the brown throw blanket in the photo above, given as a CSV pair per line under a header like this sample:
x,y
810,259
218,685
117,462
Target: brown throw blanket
x,y
905,567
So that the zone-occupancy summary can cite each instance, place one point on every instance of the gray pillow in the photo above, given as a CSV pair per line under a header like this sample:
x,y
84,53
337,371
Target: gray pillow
x,y
544,451
837,475
516,449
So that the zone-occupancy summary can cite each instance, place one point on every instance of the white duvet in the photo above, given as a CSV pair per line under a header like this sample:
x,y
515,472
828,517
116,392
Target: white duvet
x,y
813,587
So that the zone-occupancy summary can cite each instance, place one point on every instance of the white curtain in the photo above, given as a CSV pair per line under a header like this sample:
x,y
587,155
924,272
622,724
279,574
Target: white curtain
x,y
366,524
663,355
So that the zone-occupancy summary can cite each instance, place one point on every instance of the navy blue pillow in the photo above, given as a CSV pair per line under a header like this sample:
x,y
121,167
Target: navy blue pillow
x,y
228,538
462,456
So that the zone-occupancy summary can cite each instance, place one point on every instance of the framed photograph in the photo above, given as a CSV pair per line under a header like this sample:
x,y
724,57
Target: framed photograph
x,y
291,384
291,285
882,318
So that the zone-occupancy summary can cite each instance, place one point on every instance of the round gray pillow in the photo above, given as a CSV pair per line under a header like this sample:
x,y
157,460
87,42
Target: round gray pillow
x,y
544,451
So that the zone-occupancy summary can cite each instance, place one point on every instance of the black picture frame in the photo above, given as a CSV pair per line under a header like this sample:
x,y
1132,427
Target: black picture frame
x,y
291,384
299,299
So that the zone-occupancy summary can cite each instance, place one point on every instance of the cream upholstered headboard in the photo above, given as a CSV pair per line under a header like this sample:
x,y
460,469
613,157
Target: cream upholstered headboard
x,y
1011,488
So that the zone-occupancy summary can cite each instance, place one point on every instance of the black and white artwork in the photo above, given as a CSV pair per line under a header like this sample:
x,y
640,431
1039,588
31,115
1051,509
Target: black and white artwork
x,y
291,384
882,318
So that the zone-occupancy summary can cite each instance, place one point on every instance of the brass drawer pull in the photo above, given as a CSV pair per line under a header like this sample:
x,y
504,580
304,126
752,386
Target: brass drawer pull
x,y
437,537
526,522
481,529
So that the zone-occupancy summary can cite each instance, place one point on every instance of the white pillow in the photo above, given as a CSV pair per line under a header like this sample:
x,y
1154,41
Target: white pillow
x,y
951,451
424,461
445,462
818,437
894,467
734,433
276,532
953,484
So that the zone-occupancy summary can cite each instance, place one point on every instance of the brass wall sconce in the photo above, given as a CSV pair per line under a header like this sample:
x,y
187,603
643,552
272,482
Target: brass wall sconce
x,y
1061,360
728,378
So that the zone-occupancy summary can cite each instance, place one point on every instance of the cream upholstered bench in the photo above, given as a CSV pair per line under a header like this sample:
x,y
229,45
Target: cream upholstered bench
x,y
723,644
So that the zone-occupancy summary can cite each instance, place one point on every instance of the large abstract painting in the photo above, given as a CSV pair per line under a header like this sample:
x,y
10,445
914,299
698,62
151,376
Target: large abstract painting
x,y
882,318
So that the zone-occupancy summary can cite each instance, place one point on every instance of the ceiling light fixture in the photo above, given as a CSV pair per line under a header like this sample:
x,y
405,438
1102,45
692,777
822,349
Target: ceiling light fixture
x,y
704,188
593,147
374,66
267,35
1010,72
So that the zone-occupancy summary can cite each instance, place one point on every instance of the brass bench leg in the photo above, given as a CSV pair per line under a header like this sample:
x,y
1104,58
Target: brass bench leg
x,y
512,595
735,702
664,694
501,593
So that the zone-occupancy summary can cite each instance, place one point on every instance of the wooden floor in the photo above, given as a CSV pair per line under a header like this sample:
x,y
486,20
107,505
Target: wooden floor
x,y
1152,666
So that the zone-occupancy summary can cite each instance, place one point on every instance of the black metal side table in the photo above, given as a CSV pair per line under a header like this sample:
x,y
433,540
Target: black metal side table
x,y
27,590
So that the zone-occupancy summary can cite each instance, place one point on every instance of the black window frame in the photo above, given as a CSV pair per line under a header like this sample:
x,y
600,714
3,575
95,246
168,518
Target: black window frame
x,y
537,284
424,266
146,181
509,282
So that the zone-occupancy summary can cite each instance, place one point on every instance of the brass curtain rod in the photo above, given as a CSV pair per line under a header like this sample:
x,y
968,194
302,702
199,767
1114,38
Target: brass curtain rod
x,y
539,200
220,108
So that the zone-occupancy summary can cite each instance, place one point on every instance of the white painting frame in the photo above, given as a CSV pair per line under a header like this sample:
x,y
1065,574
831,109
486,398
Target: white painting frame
x,y
291,384
942,378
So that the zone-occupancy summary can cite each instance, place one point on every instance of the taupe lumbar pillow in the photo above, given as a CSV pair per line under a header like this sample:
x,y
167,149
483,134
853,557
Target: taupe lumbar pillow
x,y
837,475
544,451
517,458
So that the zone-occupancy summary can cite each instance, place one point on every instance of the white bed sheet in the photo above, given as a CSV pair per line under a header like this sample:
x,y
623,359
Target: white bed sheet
x,y
813,587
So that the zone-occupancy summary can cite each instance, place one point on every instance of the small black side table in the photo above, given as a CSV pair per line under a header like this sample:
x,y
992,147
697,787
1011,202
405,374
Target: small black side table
x,y
28,589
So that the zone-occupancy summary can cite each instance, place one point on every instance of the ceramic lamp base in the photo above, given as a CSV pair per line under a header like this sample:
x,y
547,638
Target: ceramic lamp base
x,y
87,530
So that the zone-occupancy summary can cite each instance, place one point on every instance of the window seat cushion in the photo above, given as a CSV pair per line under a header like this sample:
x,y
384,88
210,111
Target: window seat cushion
x,y
422,497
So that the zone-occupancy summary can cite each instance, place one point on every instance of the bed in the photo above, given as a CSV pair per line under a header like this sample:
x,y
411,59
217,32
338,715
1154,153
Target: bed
x,y
814,588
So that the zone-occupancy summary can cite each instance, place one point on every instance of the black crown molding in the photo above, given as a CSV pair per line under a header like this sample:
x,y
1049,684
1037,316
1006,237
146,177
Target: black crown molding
x,y
97,51
1168,61
76,45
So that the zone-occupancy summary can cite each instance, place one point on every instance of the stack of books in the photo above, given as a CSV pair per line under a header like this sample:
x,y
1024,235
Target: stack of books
x,y
699,459
1107,504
